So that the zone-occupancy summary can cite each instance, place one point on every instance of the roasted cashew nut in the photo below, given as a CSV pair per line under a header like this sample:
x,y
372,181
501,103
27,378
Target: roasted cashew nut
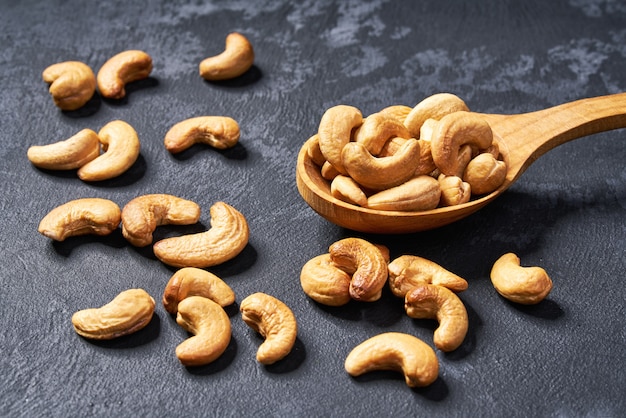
x,y
377,129
314,152
335,131
72,84
524,285
274,320
121,69
437,302
419,193
484,173
324,282
191,281
226,238
407,271
397,112
211,329
433,107
346,189
128,312
237,58
69,154
81,217
143,214
220,132
454,191
121,145
397,352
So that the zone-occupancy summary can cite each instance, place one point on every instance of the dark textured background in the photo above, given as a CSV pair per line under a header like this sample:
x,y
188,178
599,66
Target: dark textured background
x,y
563,357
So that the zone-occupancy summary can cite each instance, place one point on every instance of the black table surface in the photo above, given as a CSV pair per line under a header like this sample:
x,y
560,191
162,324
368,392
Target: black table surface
x,y
562,357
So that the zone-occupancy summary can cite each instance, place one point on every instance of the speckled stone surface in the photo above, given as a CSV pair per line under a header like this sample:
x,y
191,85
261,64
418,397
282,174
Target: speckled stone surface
x,y
563,357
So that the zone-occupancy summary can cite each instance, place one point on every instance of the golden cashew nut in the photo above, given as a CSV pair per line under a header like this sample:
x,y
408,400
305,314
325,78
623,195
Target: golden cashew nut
x,y
237,58
419,193
433,107
143,214
274,320
346,189
524,285
324,282
219,132
437,302
365,263
128,312
377,129
484,173
314,152
397,112
328,171
72,84
335,131
395,351
407,271
454,191
226,238
192,281
81,217
121,69
69,154
121,145
211,329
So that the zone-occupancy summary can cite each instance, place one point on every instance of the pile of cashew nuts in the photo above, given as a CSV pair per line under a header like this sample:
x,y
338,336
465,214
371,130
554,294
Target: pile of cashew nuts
x,y
435,154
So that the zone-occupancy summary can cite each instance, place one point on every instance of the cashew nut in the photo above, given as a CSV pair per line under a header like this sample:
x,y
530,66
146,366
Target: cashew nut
x,y
191,281
433,107
407,271
210,326
220,132
81,217
226,238
335,131
272,319
454,191
524,285
69,154
377,129
314,152
397,352
440,303
324,282
346,189
398,112
485,173
328,171
419,193
128,312
143,214
72,84
237,58
121,145
121,69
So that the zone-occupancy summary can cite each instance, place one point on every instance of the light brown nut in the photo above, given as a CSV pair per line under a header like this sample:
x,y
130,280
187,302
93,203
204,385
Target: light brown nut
x,y
419,193
392,146
430,301
72,84
433,107
335,131
314,152
121,69
69,154
236,59
81,217
398,112
484,173
143,214
192,281
377,129
226,238
524,285
366,265
384,172
211,329
325,283
346,189
454,191
272,319
128,312
453,132
328,171
220,132
121,149
396,352
407,271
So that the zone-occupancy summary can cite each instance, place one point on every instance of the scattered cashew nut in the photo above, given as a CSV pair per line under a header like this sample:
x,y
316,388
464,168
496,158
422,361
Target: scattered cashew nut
x,y
237,58
524,285
121,69
324,282
407,271
192,281
69,154
72,84
335,131
419,193
220,132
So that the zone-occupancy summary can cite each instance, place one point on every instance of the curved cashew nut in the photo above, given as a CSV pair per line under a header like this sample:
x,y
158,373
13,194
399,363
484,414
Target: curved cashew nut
x,y
237,58
325,283
314,152
397,112
220,132
69,154
419,193
143,214
335,131
454,191
366,264
121,145
433,107
437,302
128,312
191,281
274,320
81,217
397,352
346,189
72,84
384,172
484,173
226,238
407,271
524,285
210,326
377,129
121,69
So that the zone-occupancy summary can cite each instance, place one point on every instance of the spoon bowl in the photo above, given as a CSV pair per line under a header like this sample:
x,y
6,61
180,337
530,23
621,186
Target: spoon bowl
x,y
522,138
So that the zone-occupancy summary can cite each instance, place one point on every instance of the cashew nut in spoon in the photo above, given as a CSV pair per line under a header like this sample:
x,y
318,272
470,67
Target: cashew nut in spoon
x,y
121,69
433,107
346,189
69,154
81,217
335,131
419,193
523,285
377,129
237,58
72,84
192,281
220,132
407,271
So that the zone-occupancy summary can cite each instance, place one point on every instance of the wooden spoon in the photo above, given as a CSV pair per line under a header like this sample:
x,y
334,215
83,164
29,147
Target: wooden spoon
x,y
523,138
